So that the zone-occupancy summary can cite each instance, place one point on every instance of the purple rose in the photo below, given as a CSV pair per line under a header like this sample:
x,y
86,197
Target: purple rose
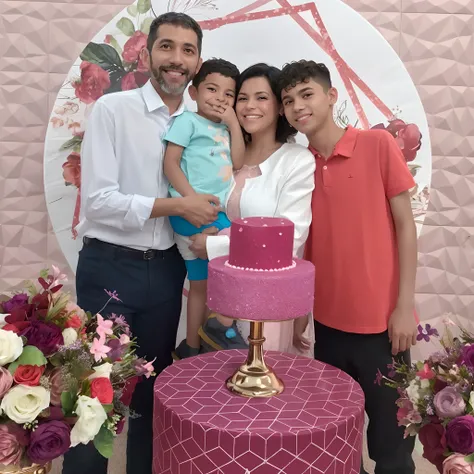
x,y
449,403
13,440
16,302
460,435
49,441
468,356
45,336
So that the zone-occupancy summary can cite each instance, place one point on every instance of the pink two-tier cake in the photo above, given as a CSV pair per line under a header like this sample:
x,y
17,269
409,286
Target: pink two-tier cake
x,y
260,280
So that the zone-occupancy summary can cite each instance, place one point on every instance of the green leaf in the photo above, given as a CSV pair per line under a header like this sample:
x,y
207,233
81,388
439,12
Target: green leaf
x,y
132,10
125,25
108,408
143,6
145,28
86,387
68,400
12,367
103,55
31,355
73,143
470,458
104,442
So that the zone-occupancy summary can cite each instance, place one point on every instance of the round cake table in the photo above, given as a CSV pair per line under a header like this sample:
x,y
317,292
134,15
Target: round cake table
x,y
315,426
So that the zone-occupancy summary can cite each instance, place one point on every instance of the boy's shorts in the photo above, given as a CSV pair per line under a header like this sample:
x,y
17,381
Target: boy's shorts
x,y
196,267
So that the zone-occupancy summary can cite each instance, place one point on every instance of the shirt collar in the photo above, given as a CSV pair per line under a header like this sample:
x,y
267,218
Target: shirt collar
x,y
154,101
345,146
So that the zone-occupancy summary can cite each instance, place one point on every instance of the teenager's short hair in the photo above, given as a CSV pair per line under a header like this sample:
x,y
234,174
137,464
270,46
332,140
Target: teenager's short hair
x,y
284,130
175,19
221,66
303,71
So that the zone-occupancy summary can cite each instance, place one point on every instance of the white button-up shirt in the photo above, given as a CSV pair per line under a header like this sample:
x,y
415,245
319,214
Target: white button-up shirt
x,y
122,170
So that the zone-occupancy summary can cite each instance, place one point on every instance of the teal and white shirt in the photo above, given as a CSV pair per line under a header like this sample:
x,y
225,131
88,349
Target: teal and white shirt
x,y
206,160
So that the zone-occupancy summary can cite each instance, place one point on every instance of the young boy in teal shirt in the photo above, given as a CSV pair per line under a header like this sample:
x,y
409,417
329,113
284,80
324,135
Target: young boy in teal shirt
x,y
203,149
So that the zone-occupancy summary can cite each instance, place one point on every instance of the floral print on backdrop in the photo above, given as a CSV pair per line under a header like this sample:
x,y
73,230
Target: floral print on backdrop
x,y
111,63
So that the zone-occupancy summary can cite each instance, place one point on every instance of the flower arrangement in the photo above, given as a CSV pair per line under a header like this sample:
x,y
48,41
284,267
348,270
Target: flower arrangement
x,y
66,376
437,400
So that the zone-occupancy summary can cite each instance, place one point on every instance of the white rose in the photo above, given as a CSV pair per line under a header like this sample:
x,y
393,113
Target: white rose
x,y
11,347
471,400
413,391
23,404
91,417
424,383
69,336
2,319
103,370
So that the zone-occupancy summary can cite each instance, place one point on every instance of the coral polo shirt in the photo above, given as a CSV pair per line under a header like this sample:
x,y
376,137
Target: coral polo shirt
x,y
352,240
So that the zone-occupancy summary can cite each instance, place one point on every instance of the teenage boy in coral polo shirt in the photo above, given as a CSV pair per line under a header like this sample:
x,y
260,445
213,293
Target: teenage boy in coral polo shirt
x,y
363,245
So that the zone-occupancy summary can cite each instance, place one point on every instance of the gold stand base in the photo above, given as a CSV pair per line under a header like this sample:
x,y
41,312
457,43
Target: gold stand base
x,y
254,378
35,469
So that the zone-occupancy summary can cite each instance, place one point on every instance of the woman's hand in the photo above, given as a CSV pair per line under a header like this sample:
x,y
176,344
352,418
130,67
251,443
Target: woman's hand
x,y
198,246
299,327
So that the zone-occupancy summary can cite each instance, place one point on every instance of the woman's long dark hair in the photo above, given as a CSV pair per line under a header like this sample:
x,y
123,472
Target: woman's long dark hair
x,y
284,130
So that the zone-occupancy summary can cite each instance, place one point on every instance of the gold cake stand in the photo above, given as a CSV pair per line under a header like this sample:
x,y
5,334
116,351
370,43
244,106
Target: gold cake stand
x,y
254,378
34,469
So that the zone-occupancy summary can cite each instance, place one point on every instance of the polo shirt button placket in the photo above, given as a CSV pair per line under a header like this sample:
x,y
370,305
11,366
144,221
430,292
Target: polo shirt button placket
x,y
326,176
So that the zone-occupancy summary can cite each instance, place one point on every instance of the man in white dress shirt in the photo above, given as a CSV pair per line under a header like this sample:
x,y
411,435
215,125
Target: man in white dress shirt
x,y
128,242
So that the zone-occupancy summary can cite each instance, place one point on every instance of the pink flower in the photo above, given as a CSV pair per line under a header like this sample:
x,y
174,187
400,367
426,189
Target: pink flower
x,y
72,170
407,413
99,350
124,339
407,136
449,403
57,386
57,122
75,127
133,47
13,440
6,381
104,327
113,295
93,83
145,368
426,373
456,464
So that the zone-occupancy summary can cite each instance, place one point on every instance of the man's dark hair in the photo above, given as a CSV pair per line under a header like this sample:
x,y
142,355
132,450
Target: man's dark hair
x,y
221,66
284,130
175,19
303,71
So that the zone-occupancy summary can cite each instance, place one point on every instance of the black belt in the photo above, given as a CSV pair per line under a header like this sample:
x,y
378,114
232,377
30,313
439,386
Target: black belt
x,y
150,254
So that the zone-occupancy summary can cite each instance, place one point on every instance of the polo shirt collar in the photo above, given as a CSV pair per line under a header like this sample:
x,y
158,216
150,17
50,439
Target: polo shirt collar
x,y
345,146
153,100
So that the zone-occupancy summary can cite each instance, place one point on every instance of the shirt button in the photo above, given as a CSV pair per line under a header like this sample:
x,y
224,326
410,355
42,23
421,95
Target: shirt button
x,y
325,167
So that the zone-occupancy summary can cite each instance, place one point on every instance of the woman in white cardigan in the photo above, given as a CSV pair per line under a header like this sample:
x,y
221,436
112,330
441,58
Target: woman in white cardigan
x,y
276,180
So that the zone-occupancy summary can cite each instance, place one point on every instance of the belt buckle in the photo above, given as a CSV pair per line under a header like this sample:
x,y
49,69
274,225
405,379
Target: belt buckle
x,y
148,254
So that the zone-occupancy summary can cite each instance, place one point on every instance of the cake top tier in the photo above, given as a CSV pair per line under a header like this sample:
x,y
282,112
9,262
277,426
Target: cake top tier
x,y
261,243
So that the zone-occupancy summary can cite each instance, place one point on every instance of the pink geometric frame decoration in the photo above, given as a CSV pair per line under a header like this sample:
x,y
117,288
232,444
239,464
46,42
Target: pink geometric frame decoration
x,y
432,37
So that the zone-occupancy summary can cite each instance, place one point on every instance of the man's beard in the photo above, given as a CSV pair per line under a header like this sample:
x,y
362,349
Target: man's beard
x,y
169,88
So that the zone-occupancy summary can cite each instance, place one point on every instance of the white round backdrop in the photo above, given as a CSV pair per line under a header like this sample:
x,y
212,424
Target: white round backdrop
x,y
373,84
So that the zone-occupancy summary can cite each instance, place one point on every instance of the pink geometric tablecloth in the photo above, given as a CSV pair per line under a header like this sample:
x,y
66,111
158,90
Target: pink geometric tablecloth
x,y
314,427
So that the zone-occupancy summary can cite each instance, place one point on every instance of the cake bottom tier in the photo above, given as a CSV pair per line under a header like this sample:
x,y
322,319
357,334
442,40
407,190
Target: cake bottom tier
x,y
260,296
314,427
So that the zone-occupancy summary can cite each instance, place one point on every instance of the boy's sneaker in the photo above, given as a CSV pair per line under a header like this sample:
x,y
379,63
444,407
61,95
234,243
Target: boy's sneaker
x,y
183,351
217,337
